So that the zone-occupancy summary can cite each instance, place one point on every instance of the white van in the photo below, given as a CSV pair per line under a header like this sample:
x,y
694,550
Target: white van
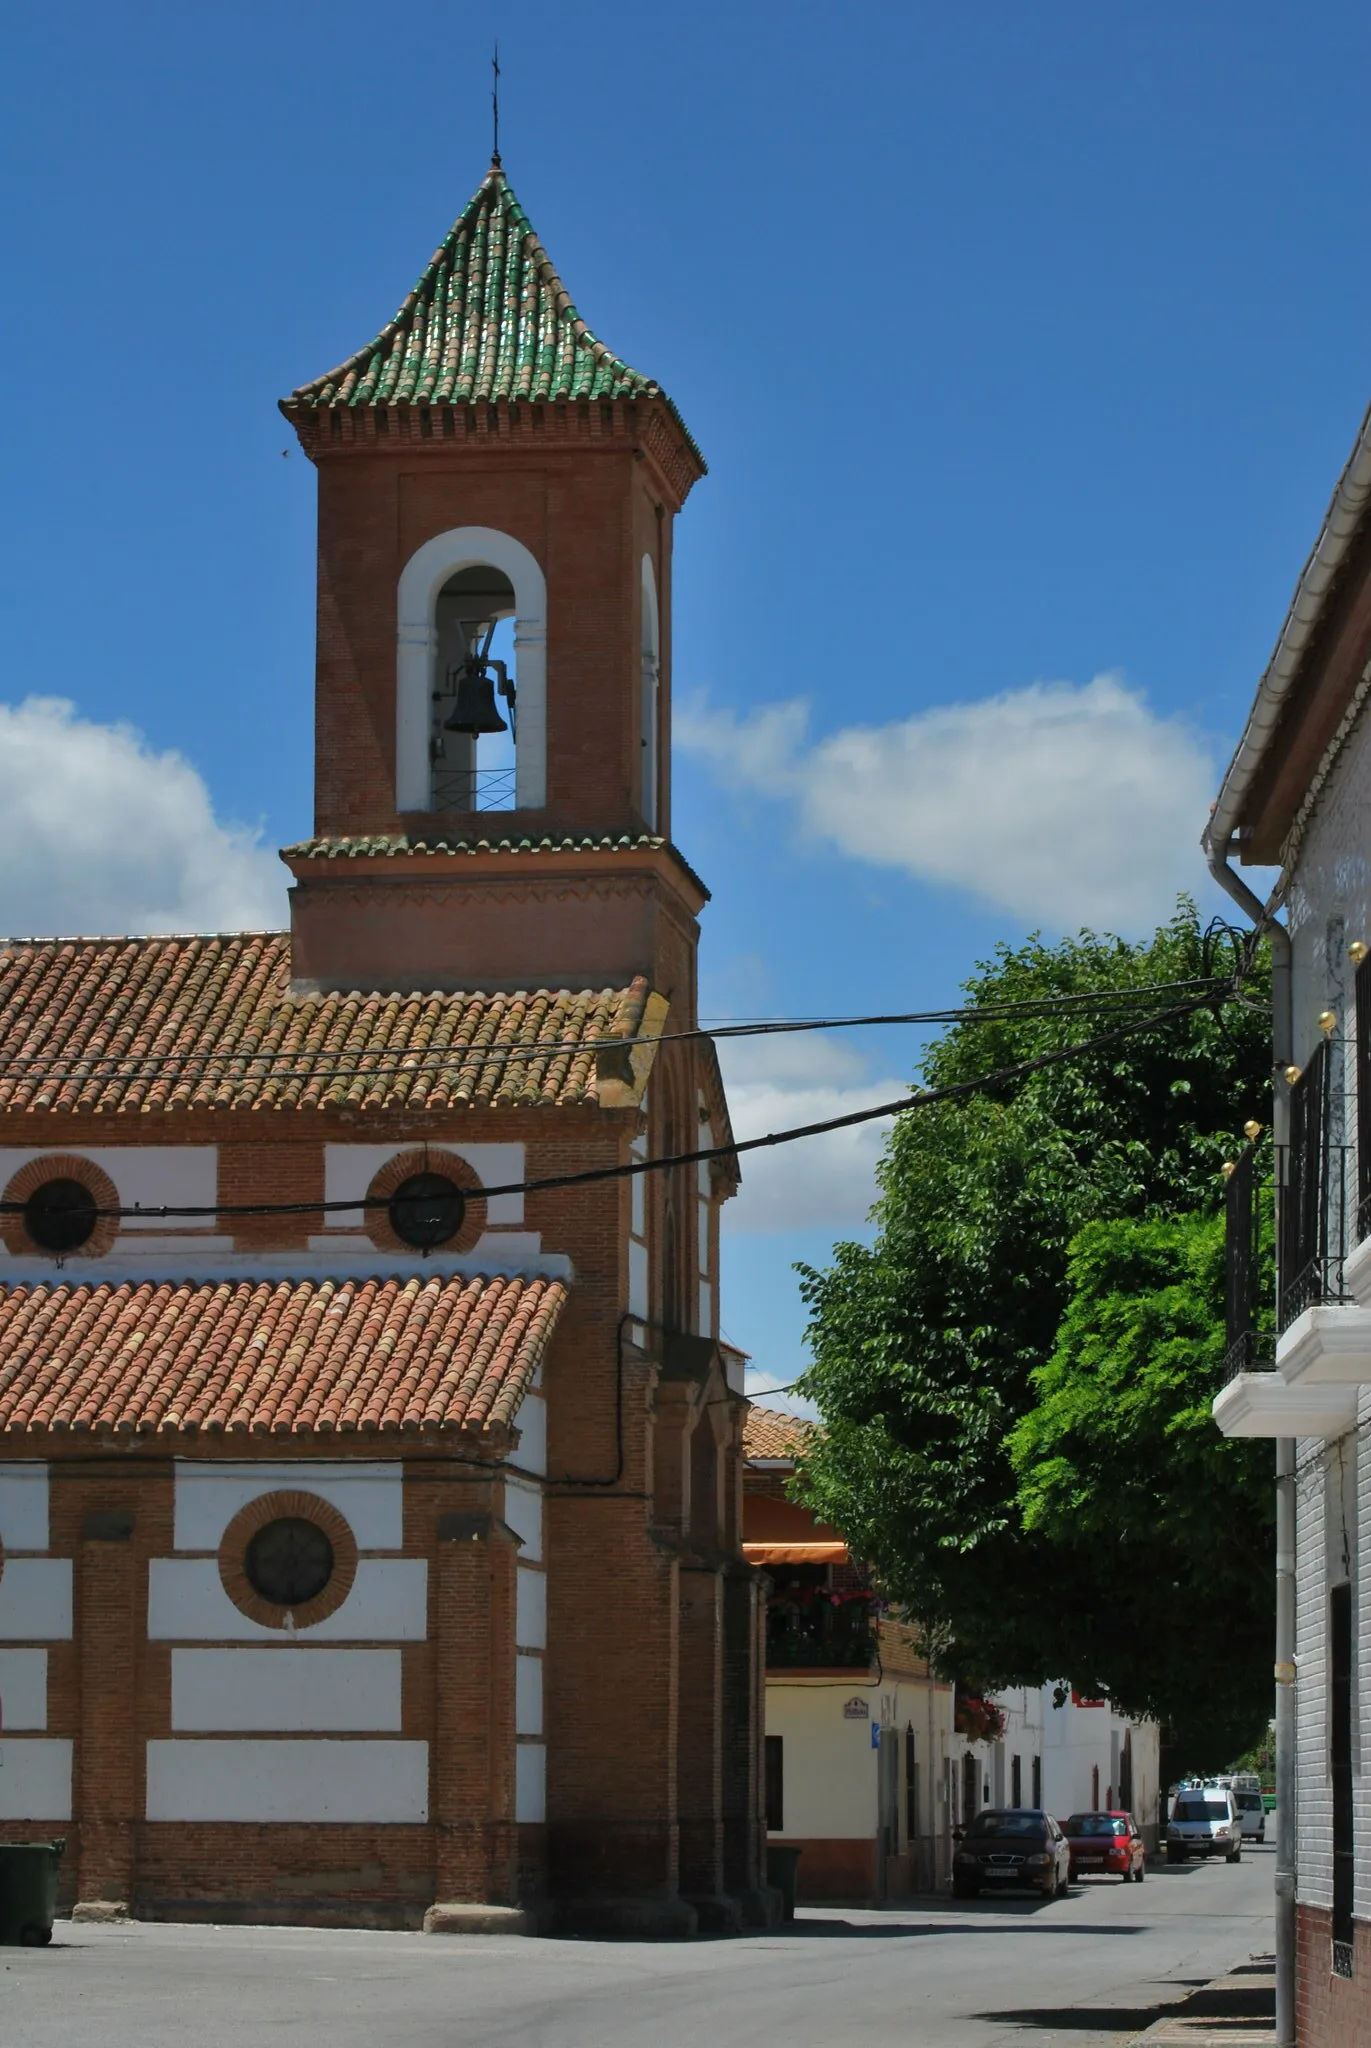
x,y
1252,1814
1204,1822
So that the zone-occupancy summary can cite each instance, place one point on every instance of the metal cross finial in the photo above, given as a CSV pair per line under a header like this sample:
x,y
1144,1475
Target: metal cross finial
x,y
495,104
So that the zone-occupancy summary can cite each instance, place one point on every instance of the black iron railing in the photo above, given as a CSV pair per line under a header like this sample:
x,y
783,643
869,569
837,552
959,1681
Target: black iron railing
x,y
1362,990
473,789
1248,1232
823,1631
1312,1178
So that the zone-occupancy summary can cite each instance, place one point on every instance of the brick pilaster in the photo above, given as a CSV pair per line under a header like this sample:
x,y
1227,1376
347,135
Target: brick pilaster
x,y
699,1755
107,1772
475,1839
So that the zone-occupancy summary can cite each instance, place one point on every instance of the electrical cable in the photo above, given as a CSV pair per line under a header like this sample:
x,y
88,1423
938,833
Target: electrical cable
x,y
315,1062
916,1099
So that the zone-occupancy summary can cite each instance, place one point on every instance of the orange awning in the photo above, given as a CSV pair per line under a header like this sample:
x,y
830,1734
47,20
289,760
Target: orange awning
x,y
795,1553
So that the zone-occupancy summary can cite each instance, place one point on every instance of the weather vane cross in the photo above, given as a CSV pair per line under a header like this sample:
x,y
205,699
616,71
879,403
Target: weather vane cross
x,y
495,104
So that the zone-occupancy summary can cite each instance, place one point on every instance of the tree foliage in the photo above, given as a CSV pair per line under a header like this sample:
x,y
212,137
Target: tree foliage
x,y
1016,1408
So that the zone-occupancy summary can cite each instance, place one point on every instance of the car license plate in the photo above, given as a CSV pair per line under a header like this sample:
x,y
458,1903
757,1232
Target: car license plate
x,y
1090,1862
991,1871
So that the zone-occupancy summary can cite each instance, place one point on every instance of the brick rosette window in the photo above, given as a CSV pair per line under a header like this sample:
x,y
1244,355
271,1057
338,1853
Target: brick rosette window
x,y
425,1159
58,1166
258,1516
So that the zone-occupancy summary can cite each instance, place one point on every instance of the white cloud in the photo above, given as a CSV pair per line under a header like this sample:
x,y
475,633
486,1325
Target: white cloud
x,y
823,1183
1062,804
100,835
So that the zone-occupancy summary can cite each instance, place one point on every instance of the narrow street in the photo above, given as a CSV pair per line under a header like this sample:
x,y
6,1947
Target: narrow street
x,y
1096,1968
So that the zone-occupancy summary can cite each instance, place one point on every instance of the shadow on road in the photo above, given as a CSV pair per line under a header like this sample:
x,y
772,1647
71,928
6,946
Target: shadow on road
x,y
1082,2019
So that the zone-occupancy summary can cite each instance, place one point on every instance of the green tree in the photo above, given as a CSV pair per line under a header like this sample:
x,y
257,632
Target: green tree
x,y
929,1343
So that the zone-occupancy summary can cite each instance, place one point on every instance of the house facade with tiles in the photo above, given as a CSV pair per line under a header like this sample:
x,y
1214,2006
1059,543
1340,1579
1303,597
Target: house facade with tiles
x,y
859,1732
370,1470
1295,798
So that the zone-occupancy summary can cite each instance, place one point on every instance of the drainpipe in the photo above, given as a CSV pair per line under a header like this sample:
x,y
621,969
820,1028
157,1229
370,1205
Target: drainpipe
x,y
1282,1047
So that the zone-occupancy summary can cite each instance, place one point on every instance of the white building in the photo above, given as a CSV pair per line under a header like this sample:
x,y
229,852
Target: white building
x,y
1297,798
1067,1756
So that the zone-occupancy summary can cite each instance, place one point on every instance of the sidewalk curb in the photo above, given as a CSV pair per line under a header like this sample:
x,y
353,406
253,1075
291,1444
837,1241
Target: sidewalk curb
x,y
1213,2015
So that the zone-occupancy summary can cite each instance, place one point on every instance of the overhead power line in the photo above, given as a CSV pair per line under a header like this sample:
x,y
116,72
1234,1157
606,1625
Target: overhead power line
x,y
922,1098
321,1062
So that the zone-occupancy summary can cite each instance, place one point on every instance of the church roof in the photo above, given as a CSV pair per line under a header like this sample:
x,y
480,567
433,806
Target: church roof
x,y
121,1025
489,319
254,1358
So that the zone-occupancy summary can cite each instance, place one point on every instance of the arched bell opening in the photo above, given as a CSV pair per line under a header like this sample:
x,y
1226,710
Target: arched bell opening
x,y
474,722
452,591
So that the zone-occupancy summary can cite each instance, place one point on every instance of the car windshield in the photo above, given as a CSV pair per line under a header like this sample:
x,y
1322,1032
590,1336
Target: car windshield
x,y
1027,1824
1202,1806
1095,1824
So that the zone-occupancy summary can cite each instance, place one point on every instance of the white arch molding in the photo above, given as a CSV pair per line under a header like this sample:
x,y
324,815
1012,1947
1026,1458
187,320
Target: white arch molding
x,y
421,579
651,643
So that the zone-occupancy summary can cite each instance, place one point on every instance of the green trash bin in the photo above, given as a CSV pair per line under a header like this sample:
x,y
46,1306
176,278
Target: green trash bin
x,y
28,1892
781,1861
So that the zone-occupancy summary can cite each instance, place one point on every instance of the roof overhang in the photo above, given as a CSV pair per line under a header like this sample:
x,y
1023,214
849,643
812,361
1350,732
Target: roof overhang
x,y
1310,680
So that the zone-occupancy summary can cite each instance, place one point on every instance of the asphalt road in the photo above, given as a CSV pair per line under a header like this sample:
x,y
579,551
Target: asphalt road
x,y
1091,1970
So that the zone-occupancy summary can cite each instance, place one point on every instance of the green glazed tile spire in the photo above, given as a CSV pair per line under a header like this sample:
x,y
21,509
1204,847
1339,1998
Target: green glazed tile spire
x,y
488,320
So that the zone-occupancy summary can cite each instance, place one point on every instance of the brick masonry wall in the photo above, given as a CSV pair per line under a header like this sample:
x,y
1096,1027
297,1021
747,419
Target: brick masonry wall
x,y
1330,2012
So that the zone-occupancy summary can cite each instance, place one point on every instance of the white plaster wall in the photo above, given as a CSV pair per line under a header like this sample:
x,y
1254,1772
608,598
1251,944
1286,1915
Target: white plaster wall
x,y
532,1425
35,1778
524,1514
1361,1677
23,1689
349,1171
1330,894
370,1498
388,1603
530,1782
829,1762
153,1175
35,1600
530,1610
287,1781
528,1695
23,1507
286,1691
1313,1797
637,1277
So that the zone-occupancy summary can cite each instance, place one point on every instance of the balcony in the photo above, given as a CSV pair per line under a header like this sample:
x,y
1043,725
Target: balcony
x,y
1322,1335
820,1630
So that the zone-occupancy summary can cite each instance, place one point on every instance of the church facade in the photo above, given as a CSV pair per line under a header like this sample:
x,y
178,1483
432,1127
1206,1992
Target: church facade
x,y
370,1470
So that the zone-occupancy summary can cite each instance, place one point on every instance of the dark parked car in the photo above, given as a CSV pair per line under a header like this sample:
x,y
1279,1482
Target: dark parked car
x,y
1105,1845
1011,1845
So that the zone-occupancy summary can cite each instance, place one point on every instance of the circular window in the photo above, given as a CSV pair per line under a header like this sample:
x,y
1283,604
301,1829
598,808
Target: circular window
x,y
289,1561
427,1210
61,1215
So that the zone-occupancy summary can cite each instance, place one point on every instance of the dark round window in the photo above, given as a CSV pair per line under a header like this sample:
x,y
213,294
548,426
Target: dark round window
x,y
426,1210
60,1215
289,1562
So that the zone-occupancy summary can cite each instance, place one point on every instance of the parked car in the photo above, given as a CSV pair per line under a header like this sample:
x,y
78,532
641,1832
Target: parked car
x,y
1204,1822
1105,1845
1252,1814
1011,1845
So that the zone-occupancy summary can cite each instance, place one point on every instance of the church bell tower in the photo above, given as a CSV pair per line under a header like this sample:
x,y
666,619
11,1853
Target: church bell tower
x,y
493,694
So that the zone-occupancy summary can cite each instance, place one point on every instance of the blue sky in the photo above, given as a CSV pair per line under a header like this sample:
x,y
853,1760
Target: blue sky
x,y
1025,345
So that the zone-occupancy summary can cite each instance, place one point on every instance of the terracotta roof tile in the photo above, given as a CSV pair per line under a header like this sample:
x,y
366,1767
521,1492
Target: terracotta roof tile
x,y
118,1025
271,1358
771,1433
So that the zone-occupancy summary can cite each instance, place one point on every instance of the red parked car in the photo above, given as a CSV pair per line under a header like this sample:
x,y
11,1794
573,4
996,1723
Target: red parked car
x,y
1105,1845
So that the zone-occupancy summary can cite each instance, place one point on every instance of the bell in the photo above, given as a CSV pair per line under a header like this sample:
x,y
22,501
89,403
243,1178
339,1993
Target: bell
x,y
475,711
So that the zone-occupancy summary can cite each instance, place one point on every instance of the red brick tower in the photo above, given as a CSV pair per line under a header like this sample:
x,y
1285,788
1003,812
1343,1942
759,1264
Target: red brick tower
x,y
486,467
486,450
